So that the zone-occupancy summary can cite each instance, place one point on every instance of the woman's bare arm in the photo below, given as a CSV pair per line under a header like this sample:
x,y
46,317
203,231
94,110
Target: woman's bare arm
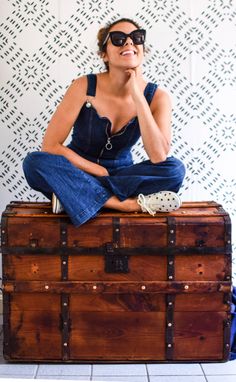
x,y
61,124
154,120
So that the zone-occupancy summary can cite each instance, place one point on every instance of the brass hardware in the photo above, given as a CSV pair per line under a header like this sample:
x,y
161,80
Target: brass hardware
x,y
143,287
186,287
33,243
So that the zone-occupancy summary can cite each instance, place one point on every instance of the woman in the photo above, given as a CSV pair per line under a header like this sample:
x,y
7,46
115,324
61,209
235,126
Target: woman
x,y
108,112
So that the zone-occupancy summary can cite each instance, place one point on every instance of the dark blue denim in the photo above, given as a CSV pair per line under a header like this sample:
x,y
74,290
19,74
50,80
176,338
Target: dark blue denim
x,y
92,138
83,195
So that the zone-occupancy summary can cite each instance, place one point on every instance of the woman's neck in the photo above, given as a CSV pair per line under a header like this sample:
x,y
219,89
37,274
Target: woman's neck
x,y
115,81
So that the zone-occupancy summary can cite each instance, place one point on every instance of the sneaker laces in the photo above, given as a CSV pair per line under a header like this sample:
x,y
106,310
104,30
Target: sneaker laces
x,y
142,201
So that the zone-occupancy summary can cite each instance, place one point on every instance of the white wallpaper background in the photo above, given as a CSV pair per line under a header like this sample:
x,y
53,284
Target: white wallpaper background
x,y
44,44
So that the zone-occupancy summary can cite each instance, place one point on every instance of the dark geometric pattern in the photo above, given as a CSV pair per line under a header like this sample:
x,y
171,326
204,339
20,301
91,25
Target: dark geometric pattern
x,y
45,44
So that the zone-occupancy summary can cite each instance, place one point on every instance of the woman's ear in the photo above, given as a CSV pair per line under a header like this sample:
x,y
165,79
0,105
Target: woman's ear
x,y
104,56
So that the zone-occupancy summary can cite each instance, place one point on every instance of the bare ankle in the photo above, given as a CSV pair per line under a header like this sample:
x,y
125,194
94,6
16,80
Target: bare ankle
x,y
128,205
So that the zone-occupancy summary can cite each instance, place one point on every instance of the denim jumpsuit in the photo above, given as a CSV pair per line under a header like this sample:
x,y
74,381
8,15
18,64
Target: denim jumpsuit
x,y
83,195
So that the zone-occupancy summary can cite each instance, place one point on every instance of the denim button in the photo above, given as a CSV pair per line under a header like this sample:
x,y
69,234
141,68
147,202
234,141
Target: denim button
x,y
88,104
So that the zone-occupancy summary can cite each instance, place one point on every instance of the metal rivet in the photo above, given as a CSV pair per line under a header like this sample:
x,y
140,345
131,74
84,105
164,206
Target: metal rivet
x,y
183,212
172,231
143,287
170,303
169,345
46,287
63,243
64,262
65,344
186,287
65,323
3,242
170,277
117,229
63,232
94,286
3,231
172,241
171,262
228,241
65,303
170,324
228,277
227,345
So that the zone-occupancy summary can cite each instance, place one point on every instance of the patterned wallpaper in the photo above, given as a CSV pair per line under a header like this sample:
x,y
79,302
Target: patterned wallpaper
x,y
44,44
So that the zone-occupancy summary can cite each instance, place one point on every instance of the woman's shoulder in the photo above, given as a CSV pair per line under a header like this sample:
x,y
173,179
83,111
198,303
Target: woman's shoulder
x,y
161,96
84,79
78,87
79,81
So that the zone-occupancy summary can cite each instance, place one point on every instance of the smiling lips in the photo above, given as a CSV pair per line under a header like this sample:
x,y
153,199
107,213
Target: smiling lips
x,y
128,53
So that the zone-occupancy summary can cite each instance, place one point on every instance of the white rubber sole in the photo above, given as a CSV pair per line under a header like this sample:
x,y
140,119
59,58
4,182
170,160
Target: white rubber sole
x,y
56,205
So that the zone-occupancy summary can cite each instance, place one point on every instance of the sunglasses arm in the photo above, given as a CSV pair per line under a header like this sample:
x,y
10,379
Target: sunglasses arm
x,y
106,39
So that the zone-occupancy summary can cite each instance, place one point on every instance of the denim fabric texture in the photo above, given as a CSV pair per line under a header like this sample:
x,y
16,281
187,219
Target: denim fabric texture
x,y
83,195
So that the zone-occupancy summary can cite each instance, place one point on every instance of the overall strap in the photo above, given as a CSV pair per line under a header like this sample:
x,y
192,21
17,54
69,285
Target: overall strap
x,y
149,91
92,83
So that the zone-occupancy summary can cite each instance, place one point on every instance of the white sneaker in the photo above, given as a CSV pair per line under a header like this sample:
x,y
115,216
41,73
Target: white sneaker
x,y
163,201
56,205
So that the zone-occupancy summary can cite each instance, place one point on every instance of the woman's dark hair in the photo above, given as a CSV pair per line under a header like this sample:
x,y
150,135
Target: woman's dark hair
x,y
103,32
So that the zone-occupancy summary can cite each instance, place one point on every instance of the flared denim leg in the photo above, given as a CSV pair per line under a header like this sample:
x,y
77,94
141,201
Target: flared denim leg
x,y
145,178
82,195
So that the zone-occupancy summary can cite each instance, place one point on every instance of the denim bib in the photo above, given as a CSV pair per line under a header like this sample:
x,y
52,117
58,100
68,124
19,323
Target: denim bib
x,y
92,138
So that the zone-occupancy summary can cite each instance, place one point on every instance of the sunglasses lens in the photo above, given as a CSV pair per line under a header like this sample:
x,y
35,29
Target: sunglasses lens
x,y
138,37
117,38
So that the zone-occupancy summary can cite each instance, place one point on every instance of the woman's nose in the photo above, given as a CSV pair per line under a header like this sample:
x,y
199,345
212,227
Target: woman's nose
x,y
129,41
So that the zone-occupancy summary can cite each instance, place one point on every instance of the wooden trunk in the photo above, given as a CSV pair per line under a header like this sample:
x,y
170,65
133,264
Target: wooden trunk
x,y
123,287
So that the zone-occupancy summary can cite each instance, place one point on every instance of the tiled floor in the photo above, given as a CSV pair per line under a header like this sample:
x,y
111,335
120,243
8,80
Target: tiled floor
x,y
206,372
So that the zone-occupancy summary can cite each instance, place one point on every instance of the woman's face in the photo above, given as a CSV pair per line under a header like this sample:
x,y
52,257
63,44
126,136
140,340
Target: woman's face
x,y
126,56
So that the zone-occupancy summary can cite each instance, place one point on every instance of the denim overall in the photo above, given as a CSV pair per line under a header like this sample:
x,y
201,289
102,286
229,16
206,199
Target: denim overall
x,y
83,195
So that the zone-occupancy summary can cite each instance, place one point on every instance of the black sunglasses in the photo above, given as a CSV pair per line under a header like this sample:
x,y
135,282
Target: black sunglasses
x,y
119,38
